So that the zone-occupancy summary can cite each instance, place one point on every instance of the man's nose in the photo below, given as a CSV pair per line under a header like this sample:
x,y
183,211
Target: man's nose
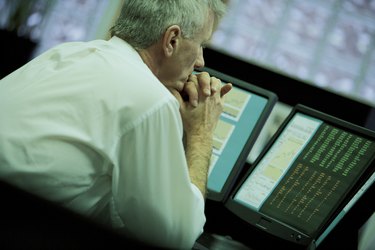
x,y
199,63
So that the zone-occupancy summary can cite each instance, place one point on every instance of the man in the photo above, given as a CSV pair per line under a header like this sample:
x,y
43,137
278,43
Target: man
x,y
97,127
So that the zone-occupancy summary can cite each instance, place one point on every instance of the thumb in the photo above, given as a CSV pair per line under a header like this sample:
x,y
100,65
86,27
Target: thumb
x,y
225,89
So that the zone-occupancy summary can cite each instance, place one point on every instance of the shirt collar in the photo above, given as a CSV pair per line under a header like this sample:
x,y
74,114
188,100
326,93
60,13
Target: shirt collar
x,y
124,47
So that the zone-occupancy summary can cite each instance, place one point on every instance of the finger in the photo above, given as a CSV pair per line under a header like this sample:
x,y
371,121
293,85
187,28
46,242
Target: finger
x,y
215,85
204,82
190,89
193,78
225,89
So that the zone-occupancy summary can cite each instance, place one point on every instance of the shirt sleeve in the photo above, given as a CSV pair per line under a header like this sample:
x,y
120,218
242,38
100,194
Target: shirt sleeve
x,y
153,198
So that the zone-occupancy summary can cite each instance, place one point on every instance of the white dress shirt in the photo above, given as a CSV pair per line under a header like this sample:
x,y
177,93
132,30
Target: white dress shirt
x,y
87,125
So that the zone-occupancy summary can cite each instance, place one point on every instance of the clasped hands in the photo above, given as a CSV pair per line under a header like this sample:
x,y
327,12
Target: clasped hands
x,y
201,102
200,85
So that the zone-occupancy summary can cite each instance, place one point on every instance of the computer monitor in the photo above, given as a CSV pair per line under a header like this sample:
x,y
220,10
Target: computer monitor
x,y
246,110
306,179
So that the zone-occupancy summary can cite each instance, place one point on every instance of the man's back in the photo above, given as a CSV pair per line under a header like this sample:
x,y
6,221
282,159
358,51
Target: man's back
x,y
61,121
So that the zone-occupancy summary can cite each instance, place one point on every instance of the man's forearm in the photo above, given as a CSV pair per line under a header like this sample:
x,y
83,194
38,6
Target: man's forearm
x,y
198,156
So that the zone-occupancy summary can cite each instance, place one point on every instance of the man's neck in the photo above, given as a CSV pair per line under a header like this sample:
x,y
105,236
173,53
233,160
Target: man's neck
x,y
152,57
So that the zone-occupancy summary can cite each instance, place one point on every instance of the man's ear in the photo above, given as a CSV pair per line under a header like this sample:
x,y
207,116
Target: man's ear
x,y
171,40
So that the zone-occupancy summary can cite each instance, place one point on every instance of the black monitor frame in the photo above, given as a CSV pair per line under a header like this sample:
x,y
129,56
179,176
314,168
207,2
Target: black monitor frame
x,y
251,217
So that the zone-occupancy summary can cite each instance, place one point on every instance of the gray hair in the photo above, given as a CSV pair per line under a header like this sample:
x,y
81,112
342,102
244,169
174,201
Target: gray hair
x,y
143,22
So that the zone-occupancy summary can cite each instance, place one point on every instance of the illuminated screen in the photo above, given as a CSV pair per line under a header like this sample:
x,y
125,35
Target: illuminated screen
x,y
306,172
242,110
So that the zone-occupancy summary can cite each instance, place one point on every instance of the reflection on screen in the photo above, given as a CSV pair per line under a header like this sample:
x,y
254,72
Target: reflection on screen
x,y
235,102
306,172
242,109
